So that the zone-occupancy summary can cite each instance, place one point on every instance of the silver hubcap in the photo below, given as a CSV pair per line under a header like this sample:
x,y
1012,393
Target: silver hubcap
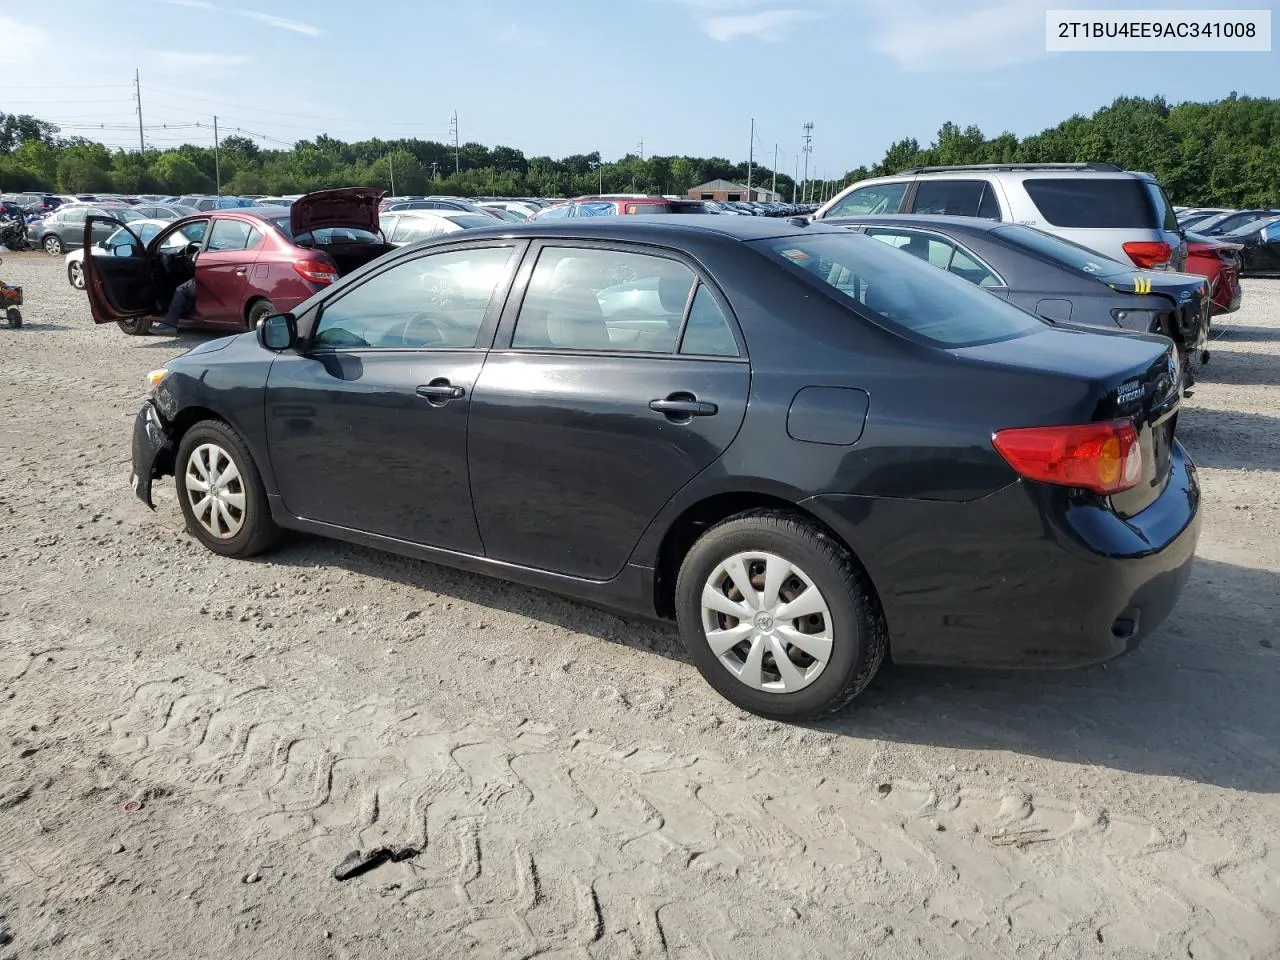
x,y
767,622
77,277
53,246
215,490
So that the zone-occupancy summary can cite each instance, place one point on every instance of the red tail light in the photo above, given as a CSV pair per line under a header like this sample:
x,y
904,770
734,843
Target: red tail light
x,y
1103,457
317,271
1149,254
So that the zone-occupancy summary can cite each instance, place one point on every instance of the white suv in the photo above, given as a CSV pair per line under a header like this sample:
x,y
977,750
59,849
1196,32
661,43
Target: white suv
x,y
1121,214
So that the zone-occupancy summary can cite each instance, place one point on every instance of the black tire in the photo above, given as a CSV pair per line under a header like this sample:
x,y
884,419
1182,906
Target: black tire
x,y
13,316
53,245
75,274
258,532
137,327
259,310
858,631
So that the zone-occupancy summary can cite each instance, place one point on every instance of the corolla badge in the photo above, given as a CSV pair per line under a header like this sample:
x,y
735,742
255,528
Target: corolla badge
x,y
1184,296
1128,392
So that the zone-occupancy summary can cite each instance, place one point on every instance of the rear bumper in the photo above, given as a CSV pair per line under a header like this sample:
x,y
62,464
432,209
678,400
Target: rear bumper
x,y
1030,576
152,452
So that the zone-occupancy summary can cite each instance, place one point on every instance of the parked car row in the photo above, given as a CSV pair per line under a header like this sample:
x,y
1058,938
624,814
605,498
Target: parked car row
x,y
810,449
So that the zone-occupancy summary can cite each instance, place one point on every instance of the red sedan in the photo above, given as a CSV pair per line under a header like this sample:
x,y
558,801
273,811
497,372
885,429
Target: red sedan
x,y
1219,262
247,262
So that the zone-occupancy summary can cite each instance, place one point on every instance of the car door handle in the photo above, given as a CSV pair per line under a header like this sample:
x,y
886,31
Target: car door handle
x,y
441,390
683,406
241,271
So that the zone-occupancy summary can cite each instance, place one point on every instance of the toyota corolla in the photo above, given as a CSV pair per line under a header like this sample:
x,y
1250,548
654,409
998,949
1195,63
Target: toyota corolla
x,y
808,450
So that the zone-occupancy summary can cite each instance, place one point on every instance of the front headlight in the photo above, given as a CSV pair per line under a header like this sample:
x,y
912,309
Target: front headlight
x,y
154,378
1146,321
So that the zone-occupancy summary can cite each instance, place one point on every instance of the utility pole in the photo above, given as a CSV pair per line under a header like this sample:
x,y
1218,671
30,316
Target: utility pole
x,y
773,187
640,147
751,155
217,165
391,165
808,149
795,182
137,90
457,157
435,170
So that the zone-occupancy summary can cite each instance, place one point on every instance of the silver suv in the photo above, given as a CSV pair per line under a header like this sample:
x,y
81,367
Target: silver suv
x,y
1121,214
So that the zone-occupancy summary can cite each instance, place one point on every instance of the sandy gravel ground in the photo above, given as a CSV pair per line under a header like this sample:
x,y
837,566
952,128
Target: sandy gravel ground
x,y
576,789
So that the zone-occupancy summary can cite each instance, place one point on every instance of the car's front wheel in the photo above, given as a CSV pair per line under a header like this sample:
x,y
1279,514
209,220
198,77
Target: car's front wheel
x,y
221,492
778,616
75,274
53,245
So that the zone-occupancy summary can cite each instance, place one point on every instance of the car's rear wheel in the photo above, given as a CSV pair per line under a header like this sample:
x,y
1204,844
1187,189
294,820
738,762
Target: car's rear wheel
x,y
53,245
135,326
260,310
778,616
221,493
75,274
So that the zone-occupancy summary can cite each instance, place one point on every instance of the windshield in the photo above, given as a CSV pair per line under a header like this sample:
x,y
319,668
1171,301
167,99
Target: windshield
x,y
326,236
145,233
901,292
1252,227
469,221
1059,251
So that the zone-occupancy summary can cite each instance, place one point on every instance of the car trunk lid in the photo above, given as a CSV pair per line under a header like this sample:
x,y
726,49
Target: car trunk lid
x,y
355,207
1107,377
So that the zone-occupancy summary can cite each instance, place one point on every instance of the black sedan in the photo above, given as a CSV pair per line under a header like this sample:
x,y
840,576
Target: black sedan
x,y
1054,278
809,450
1259,248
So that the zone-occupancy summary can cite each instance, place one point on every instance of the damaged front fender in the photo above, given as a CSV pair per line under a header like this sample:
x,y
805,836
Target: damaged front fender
x,y
152,451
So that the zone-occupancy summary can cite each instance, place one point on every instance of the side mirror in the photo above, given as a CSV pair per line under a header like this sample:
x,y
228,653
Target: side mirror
x,y
123,250
278,332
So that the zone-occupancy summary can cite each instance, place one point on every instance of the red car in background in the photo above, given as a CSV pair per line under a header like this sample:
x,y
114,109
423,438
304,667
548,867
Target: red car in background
x,y
1218,261
248,262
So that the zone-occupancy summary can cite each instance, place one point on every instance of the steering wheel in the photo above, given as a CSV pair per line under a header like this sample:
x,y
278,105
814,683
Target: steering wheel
x,y
442,290
190,251
621,273
425,327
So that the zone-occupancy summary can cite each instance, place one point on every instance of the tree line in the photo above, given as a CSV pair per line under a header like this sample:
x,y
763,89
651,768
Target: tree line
x,y
1226,152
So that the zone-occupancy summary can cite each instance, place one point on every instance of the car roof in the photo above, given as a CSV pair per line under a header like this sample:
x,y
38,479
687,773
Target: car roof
x,y
666,228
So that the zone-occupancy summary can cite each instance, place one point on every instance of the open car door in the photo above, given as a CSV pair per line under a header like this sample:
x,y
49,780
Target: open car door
x,y
118,279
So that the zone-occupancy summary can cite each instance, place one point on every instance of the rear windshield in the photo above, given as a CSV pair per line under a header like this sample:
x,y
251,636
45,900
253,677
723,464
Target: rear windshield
x,y
1093,202
1059,251
326,236
901,292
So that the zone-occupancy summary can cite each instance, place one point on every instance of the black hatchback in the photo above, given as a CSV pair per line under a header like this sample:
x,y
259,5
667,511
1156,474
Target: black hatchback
x,y
809,450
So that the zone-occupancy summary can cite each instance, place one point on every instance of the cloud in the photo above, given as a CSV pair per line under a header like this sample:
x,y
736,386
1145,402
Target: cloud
x,y
928,35
175,61
23,43
270,19
760,25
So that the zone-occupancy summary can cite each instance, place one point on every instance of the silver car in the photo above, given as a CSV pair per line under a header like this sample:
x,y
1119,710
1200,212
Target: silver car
x,y
1121,214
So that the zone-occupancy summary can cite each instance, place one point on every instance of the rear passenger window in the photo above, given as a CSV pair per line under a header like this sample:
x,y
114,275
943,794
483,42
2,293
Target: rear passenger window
x,y
930,249
255,238
707,332
1092,202
871,199
963,265
603,300
957,198
228,235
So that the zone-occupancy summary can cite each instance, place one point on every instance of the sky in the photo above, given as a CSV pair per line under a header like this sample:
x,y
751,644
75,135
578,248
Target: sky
x,y
559,77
